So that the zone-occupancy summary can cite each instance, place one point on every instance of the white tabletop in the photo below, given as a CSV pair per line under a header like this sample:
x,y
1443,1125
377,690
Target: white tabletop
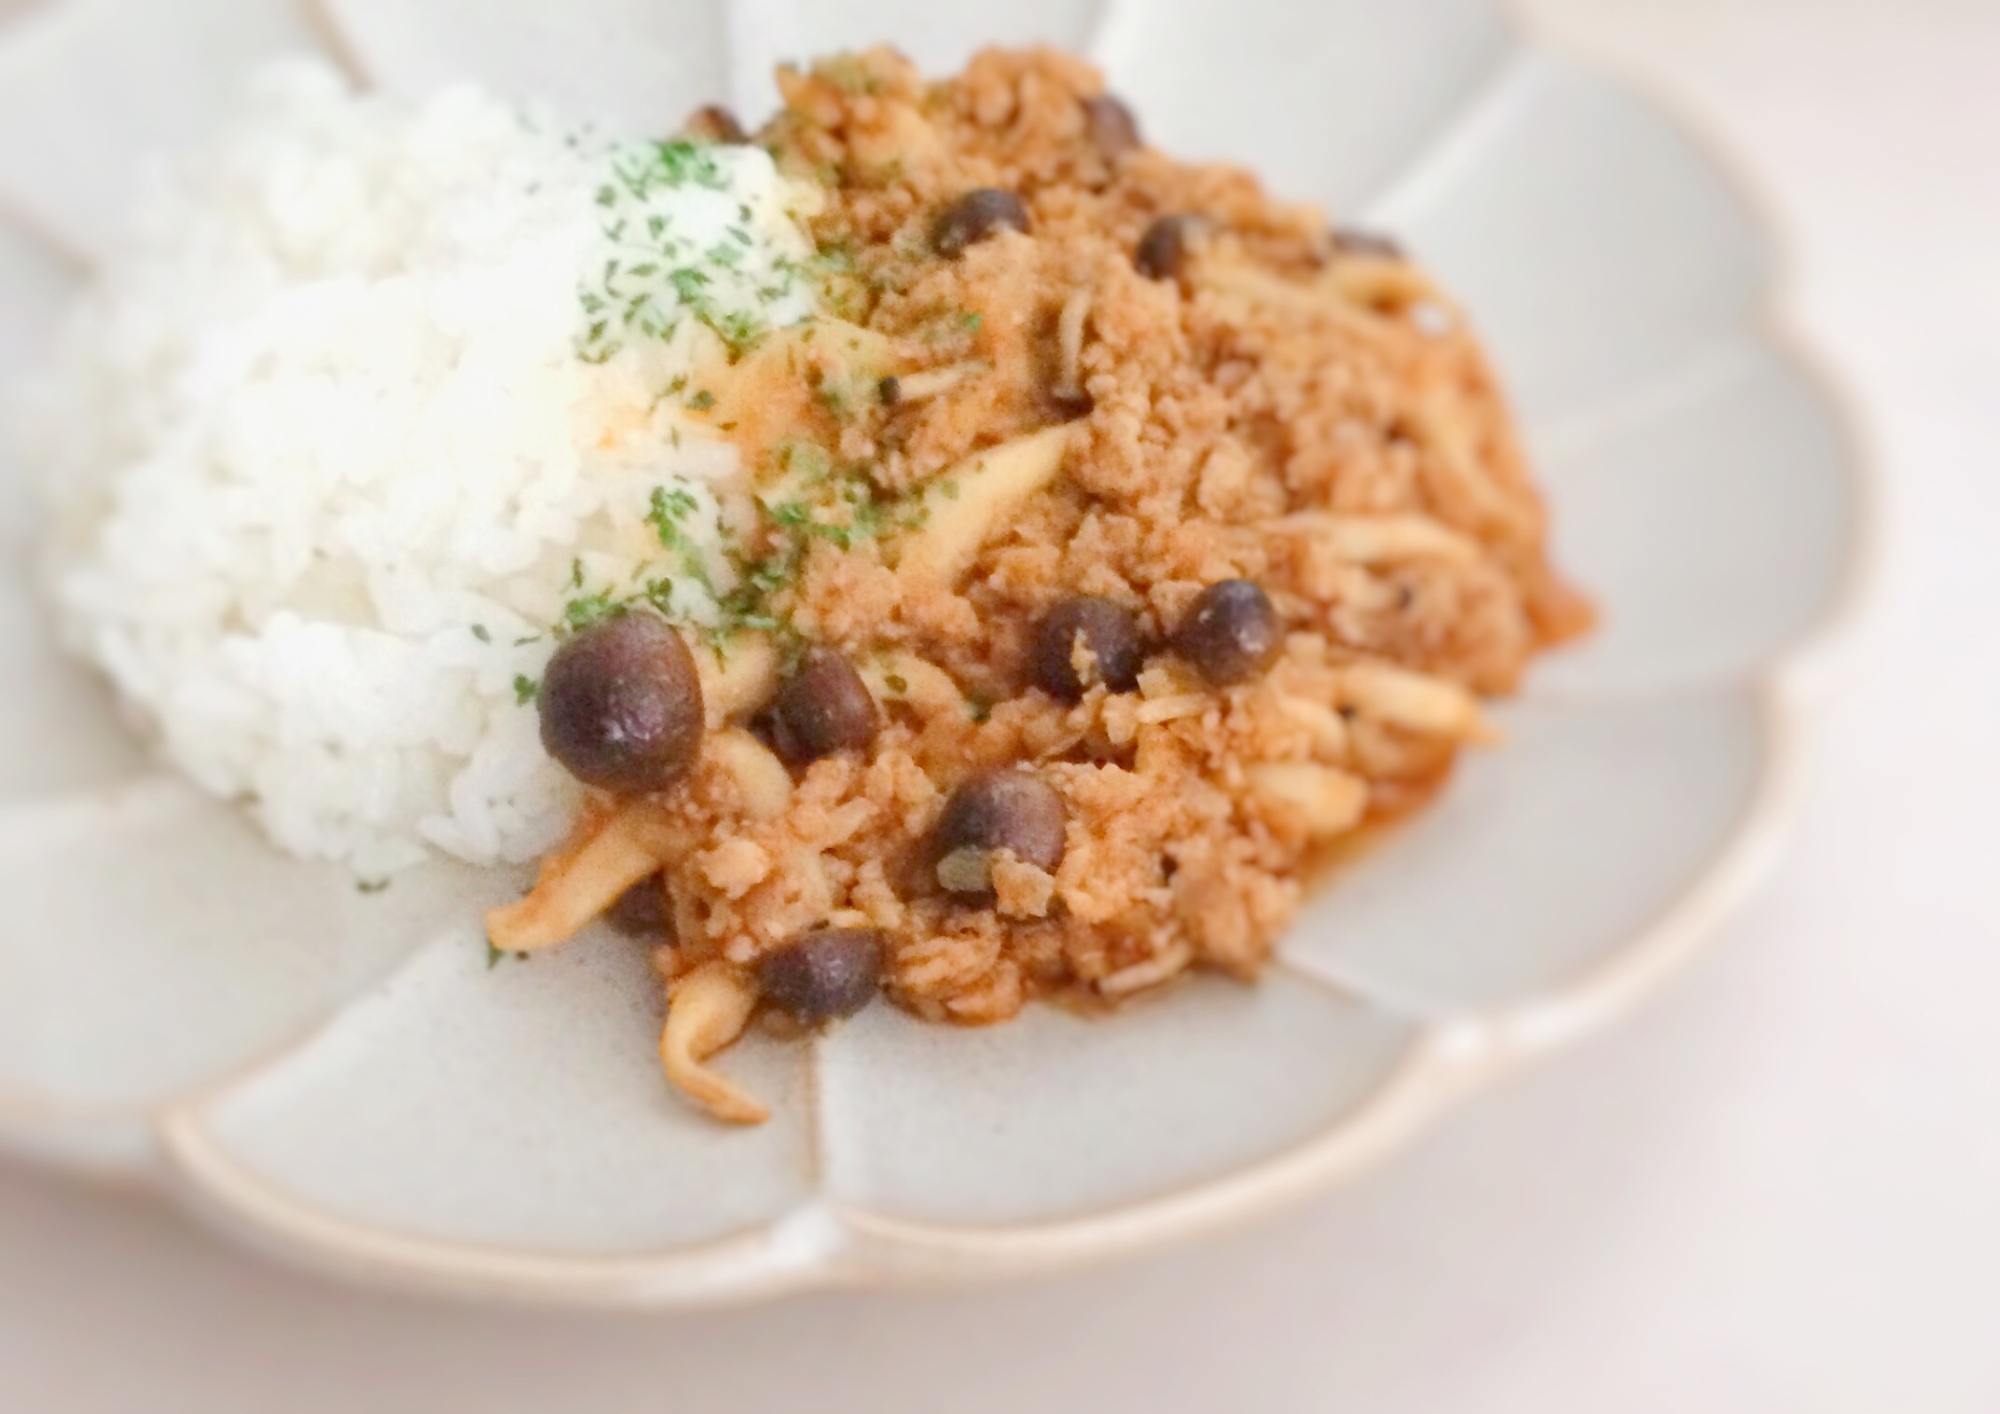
x,y
1776,1189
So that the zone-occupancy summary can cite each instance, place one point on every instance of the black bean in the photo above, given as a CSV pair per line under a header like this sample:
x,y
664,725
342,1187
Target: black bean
x,y
1368,244
714,123
1112,128
1110,635
822,707
1005,809
980,213
621,705
641,911
824,973
890,391
1231,633
1165,247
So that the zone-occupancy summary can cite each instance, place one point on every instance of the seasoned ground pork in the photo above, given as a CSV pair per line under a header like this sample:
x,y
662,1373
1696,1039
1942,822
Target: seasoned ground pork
x,y
1118,541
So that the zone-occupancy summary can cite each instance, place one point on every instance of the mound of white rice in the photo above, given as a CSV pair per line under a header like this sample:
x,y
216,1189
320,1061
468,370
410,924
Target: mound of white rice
x,y
335,439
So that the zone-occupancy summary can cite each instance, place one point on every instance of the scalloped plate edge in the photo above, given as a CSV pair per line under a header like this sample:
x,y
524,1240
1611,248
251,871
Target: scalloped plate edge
x,y
824,1244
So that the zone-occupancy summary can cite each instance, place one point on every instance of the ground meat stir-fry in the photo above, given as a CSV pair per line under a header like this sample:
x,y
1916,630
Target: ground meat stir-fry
x,y
1157,534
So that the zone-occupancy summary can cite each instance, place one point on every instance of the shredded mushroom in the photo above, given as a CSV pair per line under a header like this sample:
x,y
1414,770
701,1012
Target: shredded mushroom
x,y
1328,801
1307,301
579,883
1418,702
1167,964
1328,727
762,783
1069,344
1382,283
899,676
1452,442
915,387
707,1009
742,677
963,504
1382,539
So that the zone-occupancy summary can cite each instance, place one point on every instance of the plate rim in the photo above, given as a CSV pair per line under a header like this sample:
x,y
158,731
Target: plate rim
x,y
826,1243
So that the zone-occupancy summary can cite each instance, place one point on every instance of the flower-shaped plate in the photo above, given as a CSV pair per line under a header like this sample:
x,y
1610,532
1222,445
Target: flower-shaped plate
x,y
340,1078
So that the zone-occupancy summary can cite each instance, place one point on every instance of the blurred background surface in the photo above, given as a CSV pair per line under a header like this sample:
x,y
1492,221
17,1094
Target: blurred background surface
x,y
1773,1190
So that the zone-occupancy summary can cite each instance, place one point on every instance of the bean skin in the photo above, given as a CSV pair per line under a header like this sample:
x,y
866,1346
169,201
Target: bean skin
x,y
1112,129
1110,635
1007,809
822,707
1231,633
621,705
1165,248
714,123
978,215
641,912
1368,244
824,972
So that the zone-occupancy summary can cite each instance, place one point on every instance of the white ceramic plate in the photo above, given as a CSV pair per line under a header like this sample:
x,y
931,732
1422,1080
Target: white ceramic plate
x,y
341,1079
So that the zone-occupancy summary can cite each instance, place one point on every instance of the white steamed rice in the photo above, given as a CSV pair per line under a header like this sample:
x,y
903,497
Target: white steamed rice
x,y
325,455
